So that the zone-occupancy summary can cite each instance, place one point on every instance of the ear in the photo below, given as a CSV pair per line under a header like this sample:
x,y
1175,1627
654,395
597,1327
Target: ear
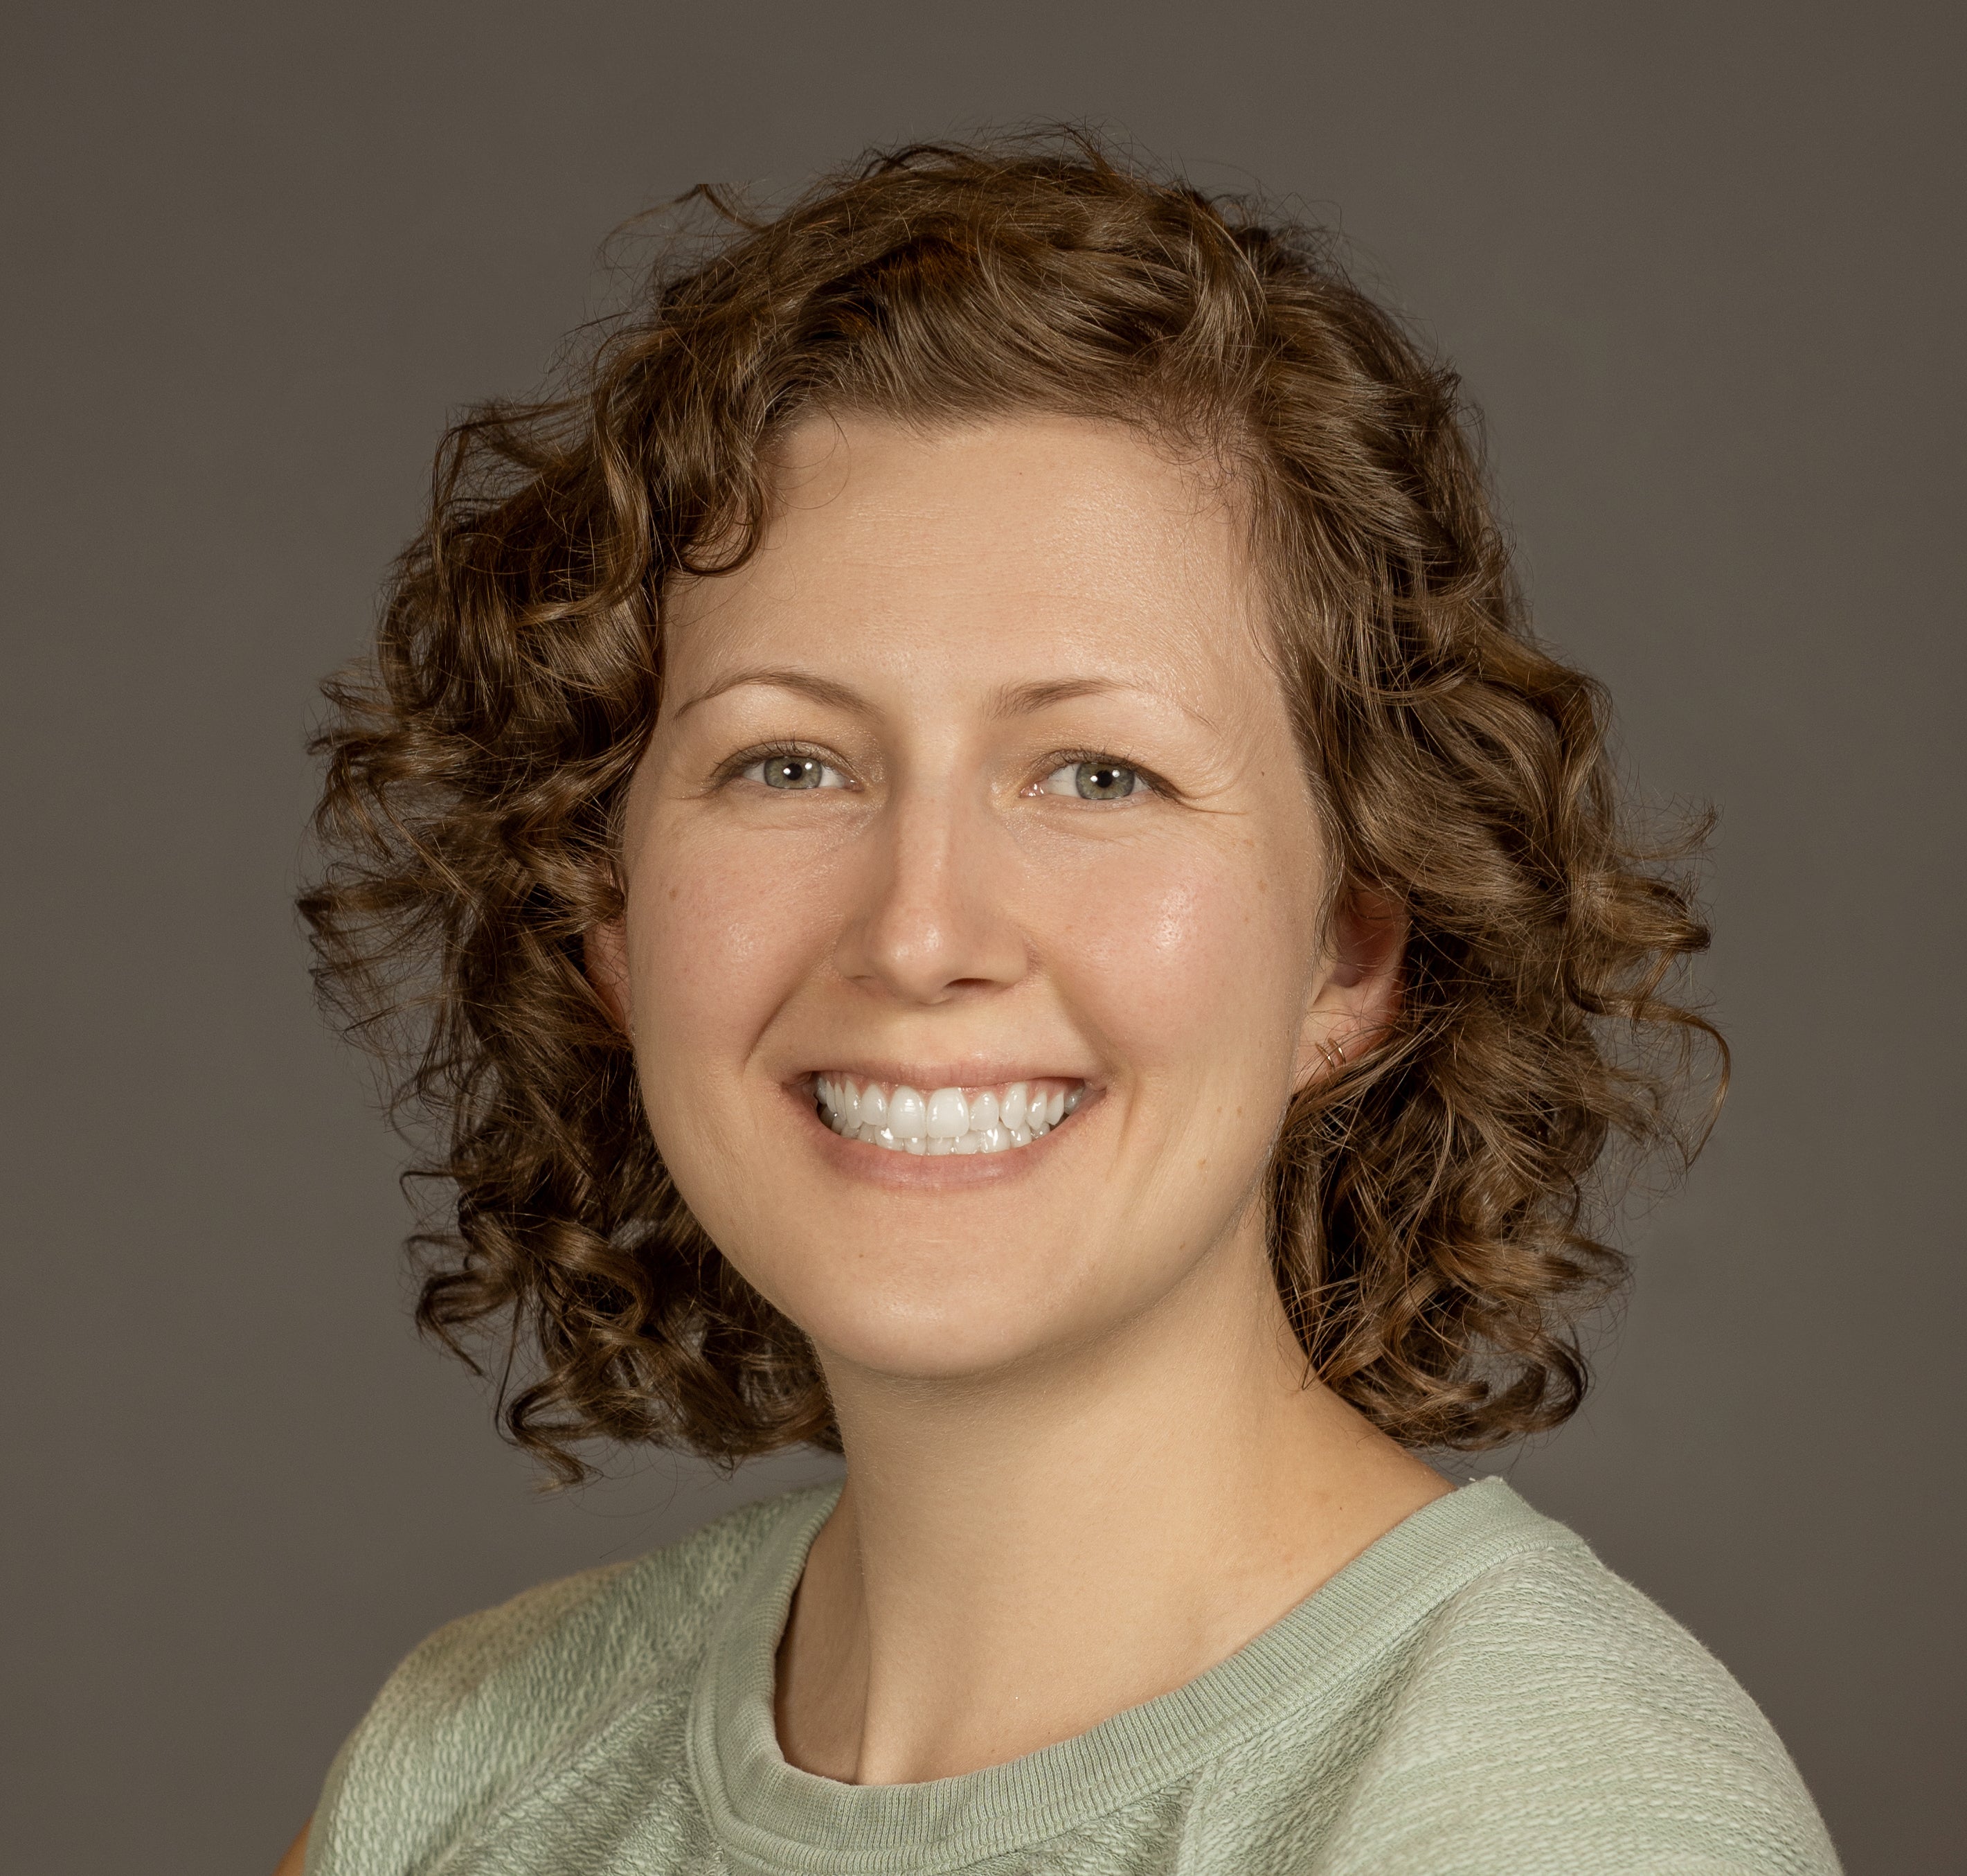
x,y
1359,992
604,952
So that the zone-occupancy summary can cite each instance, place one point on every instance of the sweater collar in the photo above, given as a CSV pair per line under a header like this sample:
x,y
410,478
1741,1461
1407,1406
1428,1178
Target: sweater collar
x,y
772,1819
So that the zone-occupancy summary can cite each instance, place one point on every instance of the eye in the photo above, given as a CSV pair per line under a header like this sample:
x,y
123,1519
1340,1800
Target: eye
x,y
1092,778
792,769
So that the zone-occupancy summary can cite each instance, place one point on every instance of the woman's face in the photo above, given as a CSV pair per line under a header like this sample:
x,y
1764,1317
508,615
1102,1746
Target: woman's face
x,y
972,803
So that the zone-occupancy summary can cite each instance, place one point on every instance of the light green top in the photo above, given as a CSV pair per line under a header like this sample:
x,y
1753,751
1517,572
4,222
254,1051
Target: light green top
x,y
1476,1695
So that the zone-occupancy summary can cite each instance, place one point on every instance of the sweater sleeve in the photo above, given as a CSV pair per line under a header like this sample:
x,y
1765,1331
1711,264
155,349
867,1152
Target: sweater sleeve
x,y
466,1714
1556,1720
492,1705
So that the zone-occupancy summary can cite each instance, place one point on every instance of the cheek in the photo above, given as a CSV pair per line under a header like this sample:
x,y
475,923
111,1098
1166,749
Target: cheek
x,y
719,934
1175,954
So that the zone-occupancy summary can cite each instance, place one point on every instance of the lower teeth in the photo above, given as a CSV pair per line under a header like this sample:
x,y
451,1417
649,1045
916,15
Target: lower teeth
x,y
991,1139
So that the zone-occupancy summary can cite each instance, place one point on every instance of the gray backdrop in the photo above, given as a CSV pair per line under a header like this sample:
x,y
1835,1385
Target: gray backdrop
x,y
1701,264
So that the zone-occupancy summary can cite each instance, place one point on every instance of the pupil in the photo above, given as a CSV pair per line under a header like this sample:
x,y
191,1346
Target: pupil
x,y
1104,782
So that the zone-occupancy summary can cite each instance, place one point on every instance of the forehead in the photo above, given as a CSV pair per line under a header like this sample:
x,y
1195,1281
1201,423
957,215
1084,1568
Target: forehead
x,y
1037,541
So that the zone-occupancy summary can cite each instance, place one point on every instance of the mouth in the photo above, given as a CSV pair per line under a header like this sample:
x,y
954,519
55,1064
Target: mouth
x,y
935,1121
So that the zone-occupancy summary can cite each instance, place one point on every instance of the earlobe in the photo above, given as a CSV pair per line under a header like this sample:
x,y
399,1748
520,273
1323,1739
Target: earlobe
x,y
604,949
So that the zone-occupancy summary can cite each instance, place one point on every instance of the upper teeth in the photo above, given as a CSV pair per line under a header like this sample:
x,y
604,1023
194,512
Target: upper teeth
x,y
944,1120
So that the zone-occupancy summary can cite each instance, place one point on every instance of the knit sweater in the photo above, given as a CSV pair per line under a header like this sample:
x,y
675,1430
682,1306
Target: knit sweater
x,y
1474,1695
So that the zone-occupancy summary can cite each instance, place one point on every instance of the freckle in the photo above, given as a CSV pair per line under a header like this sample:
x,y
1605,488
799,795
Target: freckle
x,y
674,891
1200,1164
1263,885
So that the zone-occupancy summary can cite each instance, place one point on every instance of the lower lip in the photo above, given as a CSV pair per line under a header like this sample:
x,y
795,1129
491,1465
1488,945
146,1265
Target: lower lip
x,y
911,1172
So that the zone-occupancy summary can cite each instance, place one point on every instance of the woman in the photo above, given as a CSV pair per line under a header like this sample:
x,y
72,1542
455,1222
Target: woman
x,y
1004,890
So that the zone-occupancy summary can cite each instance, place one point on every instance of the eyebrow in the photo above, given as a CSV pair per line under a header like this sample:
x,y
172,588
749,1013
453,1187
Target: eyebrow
x,y
821,690
1013,699
1021,699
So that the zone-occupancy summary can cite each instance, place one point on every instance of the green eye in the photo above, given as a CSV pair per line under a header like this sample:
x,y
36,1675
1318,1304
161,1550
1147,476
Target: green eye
x,y
792,770
1096,779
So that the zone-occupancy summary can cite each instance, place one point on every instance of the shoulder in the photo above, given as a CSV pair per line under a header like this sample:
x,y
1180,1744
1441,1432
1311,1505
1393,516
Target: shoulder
x,y
1553,1716
476,1710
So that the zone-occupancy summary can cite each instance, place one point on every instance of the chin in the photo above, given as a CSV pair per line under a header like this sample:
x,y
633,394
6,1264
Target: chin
x,y
946,1339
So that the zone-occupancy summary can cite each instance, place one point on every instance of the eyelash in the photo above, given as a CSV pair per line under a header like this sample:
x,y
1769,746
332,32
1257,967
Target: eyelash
x,y
736,765
1150,782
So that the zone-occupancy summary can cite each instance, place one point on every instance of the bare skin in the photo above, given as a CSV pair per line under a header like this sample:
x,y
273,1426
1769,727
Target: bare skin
x,y
1084,1460
1160,1528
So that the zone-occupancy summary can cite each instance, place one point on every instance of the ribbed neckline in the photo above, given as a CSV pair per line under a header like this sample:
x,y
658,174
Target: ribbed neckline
x,y
769,1815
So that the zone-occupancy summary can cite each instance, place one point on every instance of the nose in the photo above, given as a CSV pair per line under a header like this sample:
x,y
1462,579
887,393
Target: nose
x,y
936,921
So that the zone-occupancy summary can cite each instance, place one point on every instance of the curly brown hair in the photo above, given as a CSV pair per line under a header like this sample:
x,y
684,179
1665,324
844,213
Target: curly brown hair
x,y
1431,1206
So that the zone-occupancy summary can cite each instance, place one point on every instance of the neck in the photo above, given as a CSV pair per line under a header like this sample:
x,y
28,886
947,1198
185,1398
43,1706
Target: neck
x,y
1016,1558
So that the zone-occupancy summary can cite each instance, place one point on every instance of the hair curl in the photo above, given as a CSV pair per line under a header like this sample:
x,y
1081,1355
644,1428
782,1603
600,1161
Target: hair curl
x,y
1430,1205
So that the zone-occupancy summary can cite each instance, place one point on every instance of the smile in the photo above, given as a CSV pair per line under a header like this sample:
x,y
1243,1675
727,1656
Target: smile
x,y
944,1120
